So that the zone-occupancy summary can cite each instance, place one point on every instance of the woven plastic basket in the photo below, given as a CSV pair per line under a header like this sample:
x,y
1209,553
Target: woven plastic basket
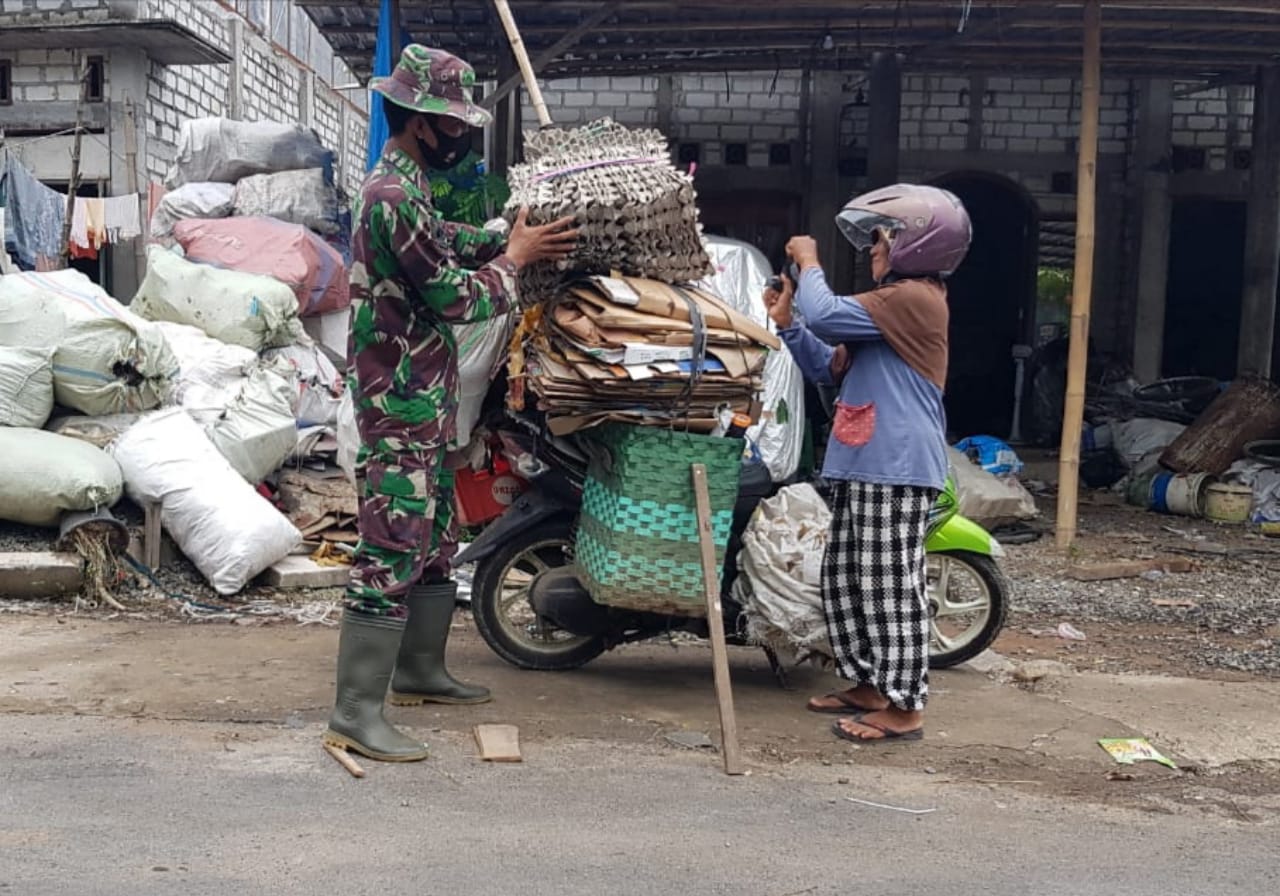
x,y
637,545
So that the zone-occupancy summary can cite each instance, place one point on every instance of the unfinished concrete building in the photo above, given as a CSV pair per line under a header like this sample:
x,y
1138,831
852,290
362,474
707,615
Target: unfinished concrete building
x,y
131,71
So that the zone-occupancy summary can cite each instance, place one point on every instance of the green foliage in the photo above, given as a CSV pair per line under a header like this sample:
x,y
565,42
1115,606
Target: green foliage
x,y
469,194
1054,285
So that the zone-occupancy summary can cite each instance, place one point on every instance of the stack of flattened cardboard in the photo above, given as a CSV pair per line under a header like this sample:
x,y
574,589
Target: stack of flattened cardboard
x,y
639,351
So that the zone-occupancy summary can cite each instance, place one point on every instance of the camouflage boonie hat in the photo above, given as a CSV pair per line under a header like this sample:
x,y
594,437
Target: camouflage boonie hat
x,y
433,81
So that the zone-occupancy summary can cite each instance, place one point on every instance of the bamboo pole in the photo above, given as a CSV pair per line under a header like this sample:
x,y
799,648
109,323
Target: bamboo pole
x,y
1082,298
522,58
73,186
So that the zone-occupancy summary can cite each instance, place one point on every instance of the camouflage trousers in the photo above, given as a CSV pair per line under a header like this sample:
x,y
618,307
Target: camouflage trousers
x,y
407,528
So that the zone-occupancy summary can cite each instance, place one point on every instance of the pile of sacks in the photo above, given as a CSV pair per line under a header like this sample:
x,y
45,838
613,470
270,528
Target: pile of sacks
x,y
252,198
208,383
96,401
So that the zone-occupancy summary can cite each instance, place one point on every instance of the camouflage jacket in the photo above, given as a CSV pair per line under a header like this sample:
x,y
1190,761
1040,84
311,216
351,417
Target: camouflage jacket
x,y
412,275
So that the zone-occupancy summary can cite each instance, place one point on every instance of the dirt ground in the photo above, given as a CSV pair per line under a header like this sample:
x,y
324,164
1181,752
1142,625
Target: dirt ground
x,y
1190,660
252,679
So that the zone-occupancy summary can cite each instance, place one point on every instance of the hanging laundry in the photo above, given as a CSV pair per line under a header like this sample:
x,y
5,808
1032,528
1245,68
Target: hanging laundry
x,y
33,225
80,228
6,265
122,219
95,219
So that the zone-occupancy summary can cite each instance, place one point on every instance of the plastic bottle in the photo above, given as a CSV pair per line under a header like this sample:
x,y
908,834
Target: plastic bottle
x,y
738,426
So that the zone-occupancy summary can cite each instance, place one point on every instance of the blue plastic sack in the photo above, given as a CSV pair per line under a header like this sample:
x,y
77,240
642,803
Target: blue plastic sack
x,y
990,453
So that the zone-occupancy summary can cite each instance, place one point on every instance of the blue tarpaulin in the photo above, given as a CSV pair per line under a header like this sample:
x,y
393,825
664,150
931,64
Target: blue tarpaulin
x,y
383,62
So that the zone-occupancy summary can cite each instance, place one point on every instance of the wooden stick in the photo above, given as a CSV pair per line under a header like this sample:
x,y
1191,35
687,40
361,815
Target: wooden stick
x,y
1082,298
345,760
522,58
72,186
715,619
569,39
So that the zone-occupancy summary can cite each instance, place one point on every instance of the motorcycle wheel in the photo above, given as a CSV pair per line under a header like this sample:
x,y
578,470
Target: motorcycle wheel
x,y
500,602
968,602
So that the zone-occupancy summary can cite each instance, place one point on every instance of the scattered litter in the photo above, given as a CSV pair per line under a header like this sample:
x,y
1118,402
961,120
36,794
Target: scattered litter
x,y
890,808
1128,750
1121,776
1069,632
691,740
1181,604
1035,670
345,760
498,743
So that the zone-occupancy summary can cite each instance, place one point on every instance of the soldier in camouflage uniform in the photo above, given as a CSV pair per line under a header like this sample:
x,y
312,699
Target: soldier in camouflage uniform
x,y
412,276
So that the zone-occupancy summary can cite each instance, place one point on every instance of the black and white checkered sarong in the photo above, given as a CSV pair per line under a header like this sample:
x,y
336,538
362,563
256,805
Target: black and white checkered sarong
x,y
874,588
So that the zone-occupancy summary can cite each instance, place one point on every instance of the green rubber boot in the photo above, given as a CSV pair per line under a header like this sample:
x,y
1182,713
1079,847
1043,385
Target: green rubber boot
x,y
366,649
420,675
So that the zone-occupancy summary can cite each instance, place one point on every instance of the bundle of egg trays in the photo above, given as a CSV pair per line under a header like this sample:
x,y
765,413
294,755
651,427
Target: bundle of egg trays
x,y
635,212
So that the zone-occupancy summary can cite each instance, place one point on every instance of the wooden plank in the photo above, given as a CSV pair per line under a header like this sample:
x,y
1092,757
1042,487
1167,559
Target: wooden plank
x,y
1128,569
498,743
1248,410
152,535
1082,298
715,619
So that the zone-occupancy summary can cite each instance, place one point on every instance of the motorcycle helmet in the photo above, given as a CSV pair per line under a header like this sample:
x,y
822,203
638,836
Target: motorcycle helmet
x,y
927,228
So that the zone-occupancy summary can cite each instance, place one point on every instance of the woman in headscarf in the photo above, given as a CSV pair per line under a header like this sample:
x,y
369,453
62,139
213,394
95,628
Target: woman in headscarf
x,y
886,458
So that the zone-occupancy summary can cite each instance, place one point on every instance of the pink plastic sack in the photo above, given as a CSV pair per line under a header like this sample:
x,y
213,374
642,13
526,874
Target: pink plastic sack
x,y
289,252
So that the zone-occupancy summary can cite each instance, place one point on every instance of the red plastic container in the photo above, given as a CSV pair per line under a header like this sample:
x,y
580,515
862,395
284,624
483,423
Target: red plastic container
x,y
483,495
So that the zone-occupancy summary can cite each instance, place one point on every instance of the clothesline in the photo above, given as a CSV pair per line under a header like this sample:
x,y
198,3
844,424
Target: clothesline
x,y
96,138
37,214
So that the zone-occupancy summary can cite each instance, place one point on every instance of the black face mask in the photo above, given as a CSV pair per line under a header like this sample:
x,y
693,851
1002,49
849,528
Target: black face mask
x,y
448,151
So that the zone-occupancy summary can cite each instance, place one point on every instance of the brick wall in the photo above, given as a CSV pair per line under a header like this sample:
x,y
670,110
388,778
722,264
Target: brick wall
x,y
272,90
48,75
1215,122
756,109
58,12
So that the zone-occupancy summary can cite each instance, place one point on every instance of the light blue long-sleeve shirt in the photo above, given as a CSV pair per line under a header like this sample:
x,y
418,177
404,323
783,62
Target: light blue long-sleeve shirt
x,y
906,445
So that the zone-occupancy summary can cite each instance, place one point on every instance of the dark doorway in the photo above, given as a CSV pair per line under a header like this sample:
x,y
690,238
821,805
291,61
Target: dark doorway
x,y
764,218
1206,280
992,300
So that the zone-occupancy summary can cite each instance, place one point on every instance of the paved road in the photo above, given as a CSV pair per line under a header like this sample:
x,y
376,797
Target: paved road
x,y
92,806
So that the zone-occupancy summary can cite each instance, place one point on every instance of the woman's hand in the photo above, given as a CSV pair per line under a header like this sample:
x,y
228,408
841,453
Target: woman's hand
x,y
841,361
803,250
778,303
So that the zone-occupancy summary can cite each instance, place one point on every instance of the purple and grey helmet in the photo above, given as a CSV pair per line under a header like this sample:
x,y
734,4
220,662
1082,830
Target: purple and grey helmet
x,y
928,229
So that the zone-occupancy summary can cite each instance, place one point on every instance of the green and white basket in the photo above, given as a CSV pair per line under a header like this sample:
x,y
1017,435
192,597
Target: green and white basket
x,y
637,545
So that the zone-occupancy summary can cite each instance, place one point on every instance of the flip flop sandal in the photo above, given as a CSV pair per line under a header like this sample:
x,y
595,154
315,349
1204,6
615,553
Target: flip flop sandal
x,y
849,706
889,734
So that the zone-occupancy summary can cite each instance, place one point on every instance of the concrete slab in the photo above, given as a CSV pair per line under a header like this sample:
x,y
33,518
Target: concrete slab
x,y
303,572
39,574
1205,722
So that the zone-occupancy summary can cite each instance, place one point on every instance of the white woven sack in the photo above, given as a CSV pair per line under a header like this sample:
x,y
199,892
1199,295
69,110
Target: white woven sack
x,y
229,531
26,386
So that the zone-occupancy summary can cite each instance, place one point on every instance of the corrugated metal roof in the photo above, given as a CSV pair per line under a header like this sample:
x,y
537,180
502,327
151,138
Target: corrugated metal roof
x,y
1188,38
